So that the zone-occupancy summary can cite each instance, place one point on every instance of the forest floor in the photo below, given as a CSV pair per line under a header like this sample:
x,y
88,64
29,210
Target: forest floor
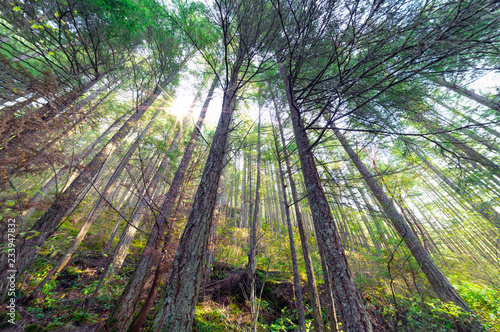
x,y
397,300
222,306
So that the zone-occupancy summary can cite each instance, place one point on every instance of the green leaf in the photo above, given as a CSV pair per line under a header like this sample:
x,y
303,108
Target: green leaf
x,y
36,234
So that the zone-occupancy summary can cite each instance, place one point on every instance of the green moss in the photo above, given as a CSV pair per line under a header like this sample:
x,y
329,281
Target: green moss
x,y
34,328
209,319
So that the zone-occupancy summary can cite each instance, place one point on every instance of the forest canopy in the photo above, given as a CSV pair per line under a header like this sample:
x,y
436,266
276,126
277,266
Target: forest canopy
x,y
263,165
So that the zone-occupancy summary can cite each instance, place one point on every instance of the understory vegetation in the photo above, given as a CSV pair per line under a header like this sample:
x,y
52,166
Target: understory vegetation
x,y
250,165
397,300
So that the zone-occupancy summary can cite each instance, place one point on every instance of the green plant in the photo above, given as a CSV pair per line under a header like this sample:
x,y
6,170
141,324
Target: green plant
x,y
208,320
284,322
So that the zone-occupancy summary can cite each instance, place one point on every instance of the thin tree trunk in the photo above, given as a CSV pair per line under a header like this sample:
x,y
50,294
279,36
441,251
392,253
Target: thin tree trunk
x,y
243,207
253,240
248,209
380,227
88,151
229,200
123,314
483,208
350,304
365,220
123,202
176,313
282,206
295,266
275,202
29,247
311,278
469,94
439,282
236,191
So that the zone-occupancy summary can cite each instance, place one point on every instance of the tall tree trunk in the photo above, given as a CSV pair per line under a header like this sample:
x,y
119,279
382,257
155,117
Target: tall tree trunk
x,y
365,220
350,304
248,209
311,278
469,94
274,201
483,208
123,314
374,214
98,206
236,189
149,197
176,312
82,156
229,200
282,206
29,247
253,240
443,288
123,202
295,266
471,154
241,222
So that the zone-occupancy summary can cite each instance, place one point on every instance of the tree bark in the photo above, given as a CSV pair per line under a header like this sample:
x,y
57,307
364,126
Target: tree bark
x,y
122,316
176,312
469,94
443,288
311,278
350,304
295,266
29,247
483,208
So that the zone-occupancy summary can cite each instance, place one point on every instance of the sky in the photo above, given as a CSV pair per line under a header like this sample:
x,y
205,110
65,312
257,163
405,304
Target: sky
x,y
187,89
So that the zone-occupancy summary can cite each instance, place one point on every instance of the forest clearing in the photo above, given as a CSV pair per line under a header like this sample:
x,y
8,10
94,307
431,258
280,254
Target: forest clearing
x,y
260,165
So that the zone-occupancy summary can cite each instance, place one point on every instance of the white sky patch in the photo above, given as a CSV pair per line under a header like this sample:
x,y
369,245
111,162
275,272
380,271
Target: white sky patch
x,y
489,83
185,96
